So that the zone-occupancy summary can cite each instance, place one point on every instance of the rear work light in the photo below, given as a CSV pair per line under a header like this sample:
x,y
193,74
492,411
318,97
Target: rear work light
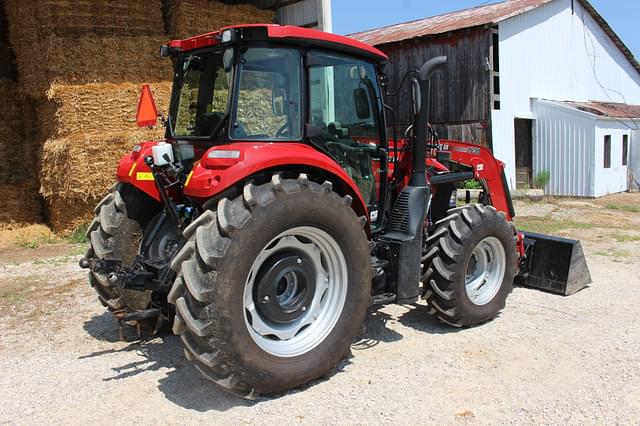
x,y
222,158
224,154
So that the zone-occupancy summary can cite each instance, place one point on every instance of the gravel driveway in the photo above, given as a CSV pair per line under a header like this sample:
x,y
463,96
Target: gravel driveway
x,y
546,360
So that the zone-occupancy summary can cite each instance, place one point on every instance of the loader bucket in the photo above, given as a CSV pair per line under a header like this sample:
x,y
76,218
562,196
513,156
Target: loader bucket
x,y
554,264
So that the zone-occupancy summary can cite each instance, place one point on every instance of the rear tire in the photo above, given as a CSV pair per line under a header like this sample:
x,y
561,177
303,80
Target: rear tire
x,y
471,263
228,266
115,235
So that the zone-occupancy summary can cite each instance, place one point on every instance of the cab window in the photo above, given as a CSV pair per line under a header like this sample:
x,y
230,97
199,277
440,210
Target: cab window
x,y
344,116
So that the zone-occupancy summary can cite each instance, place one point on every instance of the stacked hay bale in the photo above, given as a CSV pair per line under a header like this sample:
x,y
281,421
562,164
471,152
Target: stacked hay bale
x,y
185,18
95,127
20,203
80,65
18,165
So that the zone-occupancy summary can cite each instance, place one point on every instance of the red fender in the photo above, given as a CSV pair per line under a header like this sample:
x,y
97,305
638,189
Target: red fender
x,y
223,166
133,170
235,162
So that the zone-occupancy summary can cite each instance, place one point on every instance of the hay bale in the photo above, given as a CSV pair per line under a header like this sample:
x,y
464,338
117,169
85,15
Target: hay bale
x,y
77,171
21,204
104,17
83,166
117,44
18,155
86,108
91,59
185,18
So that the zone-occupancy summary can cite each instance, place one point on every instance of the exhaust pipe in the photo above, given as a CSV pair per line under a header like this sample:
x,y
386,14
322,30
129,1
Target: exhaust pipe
x,y
404,231
420,120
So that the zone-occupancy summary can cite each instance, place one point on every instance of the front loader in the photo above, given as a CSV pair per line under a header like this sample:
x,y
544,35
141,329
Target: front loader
x,y
278,209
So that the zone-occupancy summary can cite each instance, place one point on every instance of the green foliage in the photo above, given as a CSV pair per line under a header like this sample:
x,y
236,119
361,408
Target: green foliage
x,y
471,184
549,225
78,234
35,241
624,208
541,180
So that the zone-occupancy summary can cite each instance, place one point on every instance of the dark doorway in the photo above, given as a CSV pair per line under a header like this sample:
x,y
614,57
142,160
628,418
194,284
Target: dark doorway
x,y
524,152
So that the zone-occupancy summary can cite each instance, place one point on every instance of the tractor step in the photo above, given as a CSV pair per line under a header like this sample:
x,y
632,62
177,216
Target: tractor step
x,y
141,320
384,298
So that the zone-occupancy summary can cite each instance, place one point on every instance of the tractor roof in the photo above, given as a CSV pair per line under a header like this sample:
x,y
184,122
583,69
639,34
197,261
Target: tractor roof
x,y
289,35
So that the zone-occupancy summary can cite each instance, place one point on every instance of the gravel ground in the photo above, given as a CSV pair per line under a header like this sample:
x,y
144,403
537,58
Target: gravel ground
x,y
546,360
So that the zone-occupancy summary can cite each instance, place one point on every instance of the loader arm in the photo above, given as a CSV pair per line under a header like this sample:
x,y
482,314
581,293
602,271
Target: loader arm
x,y
486,169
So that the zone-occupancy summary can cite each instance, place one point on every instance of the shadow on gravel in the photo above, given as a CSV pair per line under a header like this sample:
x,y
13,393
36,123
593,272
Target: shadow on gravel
x,y
416,317
183,384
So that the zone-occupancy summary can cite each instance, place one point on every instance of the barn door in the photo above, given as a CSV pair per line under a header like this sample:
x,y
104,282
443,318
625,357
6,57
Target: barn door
x,y
524,152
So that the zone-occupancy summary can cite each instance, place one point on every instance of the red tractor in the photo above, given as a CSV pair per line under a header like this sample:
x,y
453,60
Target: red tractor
x,y
278,209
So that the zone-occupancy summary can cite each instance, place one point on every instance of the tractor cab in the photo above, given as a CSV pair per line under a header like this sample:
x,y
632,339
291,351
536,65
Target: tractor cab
x,y
253,85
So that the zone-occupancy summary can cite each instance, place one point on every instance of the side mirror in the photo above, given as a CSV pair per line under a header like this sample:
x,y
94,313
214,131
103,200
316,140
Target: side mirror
x,y
278,100
416,96
147,112
362,103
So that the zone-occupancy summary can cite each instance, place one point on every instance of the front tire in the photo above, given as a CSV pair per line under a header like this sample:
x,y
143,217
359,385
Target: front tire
x,y
272,287
471,262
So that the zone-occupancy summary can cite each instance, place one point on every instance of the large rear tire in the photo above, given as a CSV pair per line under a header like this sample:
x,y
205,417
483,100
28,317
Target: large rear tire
x,y
115,234
471,263
272,286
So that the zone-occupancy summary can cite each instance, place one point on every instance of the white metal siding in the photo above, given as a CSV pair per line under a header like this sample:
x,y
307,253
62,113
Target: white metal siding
x,y
551,53
564,146
634,159
307,13
615,178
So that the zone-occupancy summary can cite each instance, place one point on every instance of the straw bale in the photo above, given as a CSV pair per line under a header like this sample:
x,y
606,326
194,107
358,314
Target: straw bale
x,y
91,59
21,204
78,170
104,17
185,18
17,155
72,18
66,214
85,108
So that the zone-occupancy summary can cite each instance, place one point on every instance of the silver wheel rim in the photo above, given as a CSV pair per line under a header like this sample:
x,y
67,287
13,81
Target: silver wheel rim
x,y
321,254
485,271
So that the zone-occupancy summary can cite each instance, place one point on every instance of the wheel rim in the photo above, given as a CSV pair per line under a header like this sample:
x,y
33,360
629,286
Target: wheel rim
x,y
485,271
295,291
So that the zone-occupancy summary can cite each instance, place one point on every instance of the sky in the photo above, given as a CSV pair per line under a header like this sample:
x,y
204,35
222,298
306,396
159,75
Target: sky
x,y
350,16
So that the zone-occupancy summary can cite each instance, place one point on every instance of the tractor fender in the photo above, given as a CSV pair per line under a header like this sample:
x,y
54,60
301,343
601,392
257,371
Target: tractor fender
x,y
133,170
224,166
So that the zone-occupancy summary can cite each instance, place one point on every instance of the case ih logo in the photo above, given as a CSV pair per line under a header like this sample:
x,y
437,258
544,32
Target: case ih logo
x,y
470,149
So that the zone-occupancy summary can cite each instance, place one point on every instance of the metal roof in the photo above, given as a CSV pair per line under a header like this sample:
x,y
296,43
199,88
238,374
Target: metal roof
x,y
605,109
484,15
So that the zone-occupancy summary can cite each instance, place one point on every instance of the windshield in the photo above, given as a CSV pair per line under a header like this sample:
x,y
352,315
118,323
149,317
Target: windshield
x,y
201,92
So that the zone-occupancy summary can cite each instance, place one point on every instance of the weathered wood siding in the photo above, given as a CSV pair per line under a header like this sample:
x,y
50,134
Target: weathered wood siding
x,y
460,94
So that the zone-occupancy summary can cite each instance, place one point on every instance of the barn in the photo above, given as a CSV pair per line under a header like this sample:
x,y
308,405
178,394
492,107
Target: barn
x,y
546,84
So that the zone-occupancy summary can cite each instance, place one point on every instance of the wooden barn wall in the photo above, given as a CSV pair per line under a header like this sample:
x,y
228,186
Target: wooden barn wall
x,y
461,93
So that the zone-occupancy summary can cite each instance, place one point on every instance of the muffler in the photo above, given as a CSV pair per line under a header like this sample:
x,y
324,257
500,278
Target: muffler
x,y
553,264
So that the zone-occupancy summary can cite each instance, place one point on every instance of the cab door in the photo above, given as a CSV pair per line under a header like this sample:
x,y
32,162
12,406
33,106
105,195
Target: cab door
x,y
346,121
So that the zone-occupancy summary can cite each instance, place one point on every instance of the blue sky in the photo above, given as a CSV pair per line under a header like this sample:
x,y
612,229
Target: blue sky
x,y
356,15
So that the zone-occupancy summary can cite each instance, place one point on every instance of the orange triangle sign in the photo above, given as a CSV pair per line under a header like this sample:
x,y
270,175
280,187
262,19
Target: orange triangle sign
x,y
147,113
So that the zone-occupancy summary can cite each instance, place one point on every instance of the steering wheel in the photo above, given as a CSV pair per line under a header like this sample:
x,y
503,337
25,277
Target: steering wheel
x,y
282,130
